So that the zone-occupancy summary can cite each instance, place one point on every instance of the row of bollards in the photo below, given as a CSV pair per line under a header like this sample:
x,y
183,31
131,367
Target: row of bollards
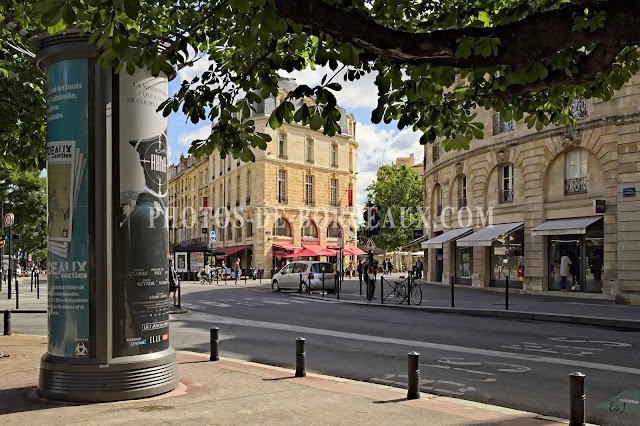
x,y
576,380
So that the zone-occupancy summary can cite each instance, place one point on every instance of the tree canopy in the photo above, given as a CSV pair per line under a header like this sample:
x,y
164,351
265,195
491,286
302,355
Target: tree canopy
x,y
436,61
398,192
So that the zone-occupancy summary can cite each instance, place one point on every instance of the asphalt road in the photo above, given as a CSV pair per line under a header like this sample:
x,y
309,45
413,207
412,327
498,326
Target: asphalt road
x,y
511,363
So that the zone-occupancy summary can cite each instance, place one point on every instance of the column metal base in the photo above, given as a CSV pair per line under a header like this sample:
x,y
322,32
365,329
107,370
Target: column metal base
x,y
137,377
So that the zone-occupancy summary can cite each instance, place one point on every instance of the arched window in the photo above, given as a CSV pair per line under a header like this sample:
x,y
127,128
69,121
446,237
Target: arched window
x,y
437,199
332,230
575,181
309,229
506,184
281,228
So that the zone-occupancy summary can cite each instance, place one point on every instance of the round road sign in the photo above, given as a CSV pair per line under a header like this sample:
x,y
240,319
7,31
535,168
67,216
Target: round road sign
x,y
8,219
339,234
1,243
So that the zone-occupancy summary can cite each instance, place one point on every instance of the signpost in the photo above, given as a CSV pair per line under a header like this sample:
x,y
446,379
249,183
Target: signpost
x,y
212,235
9,220
370,245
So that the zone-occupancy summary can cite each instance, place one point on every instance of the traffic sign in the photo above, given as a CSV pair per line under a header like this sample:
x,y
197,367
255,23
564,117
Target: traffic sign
x,y
212,235
370,245
1,243
339,234
339,242
8,219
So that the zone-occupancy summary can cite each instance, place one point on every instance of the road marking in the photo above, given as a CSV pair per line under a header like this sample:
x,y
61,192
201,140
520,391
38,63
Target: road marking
x,y
217,319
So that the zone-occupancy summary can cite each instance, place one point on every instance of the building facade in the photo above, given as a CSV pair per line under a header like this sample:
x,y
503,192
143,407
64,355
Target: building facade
x,y
561,191
299,191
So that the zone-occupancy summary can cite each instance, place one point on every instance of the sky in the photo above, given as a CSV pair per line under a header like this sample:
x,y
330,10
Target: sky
x,y
378,145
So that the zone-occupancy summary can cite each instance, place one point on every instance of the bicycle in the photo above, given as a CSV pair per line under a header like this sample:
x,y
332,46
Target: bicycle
x,y
403,289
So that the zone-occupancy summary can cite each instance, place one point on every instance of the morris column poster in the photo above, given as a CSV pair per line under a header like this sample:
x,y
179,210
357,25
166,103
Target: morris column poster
x,y
67,209
141,284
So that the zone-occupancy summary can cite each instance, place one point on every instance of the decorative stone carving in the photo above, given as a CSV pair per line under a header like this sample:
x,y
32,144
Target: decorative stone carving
x,y
458,167
435,178
502,155
572,138
310,171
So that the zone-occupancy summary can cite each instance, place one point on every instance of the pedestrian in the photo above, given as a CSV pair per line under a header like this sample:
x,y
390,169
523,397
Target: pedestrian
x,y
418,268
236,269
359,268
207,271
565,264
371,278
173,283
384,267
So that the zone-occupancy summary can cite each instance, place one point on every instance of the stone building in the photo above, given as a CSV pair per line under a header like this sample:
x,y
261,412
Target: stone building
x,y
563,190
299,191
410,161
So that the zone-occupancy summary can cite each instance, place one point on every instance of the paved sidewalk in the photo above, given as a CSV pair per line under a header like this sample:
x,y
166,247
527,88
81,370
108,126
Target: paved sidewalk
x,y
28,299
239,392
483,302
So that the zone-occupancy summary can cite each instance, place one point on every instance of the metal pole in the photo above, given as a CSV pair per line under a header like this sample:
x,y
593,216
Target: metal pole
x,y
413,375
576,392
179,296
360,279
452,279
214,344
381,291
300,357
323,284
9,270
17,294
38,284
506,293
32,273
409,289
7,322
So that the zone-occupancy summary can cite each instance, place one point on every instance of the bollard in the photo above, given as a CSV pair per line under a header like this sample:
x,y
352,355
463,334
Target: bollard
x,y
576,393
300,357
381,290
413,375
179,298
335,286
300,284
7,322
506,293
452,279
31,281
323,284
17,294
214,344
38,285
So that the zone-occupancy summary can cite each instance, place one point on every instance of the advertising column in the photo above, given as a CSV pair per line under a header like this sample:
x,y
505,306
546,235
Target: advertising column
x,y
141,284
67,210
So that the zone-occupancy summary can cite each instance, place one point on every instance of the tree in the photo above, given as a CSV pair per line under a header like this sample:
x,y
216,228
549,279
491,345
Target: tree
x,y
437,61
398,192
24,195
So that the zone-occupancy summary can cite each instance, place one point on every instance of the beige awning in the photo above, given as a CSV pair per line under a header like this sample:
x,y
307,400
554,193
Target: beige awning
x,y
565,226
486,235
441,239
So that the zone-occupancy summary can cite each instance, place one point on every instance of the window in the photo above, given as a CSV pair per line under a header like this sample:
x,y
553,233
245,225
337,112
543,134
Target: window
x,y
438,200
238,190
501,126
221,165
281,228
578,108
248,200
238,231
309,151
506,188
282,187
249,228
463,192
334,155
229,232
309,230
576,172
281,146
334,192
435,151
332,230
351,160
308,190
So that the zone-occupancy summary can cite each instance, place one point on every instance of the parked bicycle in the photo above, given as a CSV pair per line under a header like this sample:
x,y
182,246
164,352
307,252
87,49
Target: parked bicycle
x,y
408,291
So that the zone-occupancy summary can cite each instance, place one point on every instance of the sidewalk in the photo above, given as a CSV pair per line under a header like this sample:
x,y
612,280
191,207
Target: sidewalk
x,y
239,392
483,302
28,300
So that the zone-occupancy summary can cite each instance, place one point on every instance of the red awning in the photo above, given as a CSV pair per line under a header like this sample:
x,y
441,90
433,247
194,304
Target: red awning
x,y
312,251
288,247
224,252
356,251
351,251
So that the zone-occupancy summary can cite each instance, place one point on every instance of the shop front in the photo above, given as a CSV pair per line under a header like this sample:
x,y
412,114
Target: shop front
x,y
504,243
226,257
582,241
463,257
279,252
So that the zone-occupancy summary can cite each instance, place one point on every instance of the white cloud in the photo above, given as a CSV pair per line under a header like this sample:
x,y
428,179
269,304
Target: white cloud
x,y
378,147
202,132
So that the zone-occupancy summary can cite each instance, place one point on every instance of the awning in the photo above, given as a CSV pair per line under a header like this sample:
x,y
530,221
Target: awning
x,y
485,236
441,239
565,226
288,247
224,252
312,251
417,240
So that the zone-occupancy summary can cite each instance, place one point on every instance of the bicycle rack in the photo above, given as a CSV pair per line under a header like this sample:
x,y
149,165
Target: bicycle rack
x,y
390,284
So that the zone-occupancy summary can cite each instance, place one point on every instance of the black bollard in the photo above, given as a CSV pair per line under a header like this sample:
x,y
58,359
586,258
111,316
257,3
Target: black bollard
x,y
453,280
506,292
31,281
38,285
17,294
300,284
300,357
322,284
413,375
179,296
577,398
7,322
214,344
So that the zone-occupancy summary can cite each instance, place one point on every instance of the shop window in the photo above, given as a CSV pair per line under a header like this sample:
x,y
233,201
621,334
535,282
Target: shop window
x,y
507,259
506,184
464,264
281,228
576,172
309,230
462,192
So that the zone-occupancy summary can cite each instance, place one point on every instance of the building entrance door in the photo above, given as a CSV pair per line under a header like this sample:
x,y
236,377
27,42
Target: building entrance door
x,y
439,260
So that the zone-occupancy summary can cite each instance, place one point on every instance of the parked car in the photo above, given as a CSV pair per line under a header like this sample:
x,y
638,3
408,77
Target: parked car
x,y
312,274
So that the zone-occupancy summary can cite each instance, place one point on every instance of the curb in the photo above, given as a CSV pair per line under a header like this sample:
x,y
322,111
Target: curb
x,y
522,315
25,311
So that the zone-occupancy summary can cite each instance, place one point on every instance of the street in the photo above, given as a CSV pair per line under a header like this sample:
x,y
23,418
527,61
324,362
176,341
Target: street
x,y
506,362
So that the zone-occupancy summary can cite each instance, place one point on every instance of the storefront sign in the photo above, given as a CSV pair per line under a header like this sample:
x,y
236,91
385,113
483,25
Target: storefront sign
x,y
628,192
142,282
599,206
67,213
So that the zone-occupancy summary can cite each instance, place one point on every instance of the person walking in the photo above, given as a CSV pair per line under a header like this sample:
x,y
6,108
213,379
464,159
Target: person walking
x,y
236,269
359,268
173,283
565,268
371,277
207,272
418,268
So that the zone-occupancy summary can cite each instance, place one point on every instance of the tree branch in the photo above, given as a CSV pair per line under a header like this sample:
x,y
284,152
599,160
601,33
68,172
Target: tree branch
x,y
533,39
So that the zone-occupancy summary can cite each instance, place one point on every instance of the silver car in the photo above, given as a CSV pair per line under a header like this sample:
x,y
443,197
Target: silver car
x,y
300,275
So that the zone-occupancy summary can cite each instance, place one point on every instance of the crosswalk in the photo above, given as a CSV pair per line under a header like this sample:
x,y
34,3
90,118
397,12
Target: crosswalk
x,y
250,302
